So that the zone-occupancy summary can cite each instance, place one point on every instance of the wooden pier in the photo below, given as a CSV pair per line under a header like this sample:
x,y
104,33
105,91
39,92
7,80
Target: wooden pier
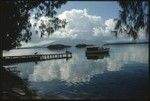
x,y
37,57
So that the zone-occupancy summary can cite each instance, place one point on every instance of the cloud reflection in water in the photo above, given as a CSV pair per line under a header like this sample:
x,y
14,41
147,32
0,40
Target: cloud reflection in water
x,y
79,69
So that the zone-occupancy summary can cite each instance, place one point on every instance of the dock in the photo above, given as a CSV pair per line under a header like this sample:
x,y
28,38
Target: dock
x,y
36,58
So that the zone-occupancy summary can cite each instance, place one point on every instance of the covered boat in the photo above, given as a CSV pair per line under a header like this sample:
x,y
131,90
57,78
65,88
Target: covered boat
x,y
96,50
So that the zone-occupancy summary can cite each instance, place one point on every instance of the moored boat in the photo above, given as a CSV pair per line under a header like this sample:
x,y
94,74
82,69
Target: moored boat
x,y
96,50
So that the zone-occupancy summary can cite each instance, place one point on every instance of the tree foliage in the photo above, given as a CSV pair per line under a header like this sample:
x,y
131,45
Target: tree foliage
x,y
14,19
134,15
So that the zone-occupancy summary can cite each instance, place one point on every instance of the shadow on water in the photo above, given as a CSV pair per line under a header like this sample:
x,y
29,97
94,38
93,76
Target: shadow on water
x,y
13,87
111,85
119,85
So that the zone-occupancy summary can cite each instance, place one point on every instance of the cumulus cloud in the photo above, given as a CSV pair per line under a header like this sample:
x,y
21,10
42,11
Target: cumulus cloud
x,y
110,24
82,25
103,32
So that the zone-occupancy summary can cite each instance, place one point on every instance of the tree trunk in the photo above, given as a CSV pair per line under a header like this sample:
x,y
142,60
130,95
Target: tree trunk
x,y
1,56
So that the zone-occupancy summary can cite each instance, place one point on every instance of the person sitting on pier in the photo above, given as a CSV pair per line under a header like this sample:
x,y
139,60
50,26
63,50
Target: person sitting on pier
x,y
67,51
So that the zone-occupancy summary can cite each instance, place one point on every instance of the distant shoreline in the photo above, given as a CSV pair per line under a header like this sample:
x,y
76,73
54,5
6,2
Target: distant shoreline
x,y
121,43
125,43
29,47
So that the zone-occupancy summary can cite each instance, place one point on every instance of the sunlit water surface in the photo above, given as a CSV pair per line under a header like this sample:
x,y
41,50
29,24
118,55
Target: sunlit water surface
x,y
121,75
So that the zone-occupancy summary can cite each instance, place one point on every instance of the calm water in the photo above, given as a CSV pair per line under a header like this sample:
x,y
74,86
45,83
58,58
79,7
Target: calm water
x,y
121,75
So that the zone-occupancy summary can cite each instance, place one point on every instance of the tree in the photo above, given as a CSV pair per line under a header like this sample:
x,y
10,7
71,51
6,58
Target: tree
x,y
14,17
134,15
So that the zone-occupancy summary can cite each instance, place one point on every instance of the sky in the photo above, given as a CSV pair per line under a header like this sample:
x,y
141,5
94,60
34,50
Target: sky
x,y
89,21
105,9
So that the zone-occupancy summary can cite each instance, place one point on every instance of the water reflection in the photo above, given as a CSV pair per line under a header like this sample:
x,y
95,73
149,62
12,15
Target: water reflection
x,y
75,71
79,70
97,56
129,54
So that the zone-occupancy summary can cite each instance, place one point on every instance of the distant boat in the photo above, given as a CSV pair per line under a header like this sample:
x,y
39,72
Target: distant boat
x,y
96,50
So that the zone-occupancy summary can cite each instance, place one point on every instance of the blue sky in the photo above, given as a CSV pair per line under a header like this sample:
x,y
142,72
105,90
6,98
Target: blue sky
x,y
90,20
105,9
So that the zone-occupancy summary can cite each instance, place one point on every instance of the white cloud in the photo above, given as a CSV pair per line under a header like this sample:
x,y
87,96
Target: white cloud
x,y
110,24
82,25
105,29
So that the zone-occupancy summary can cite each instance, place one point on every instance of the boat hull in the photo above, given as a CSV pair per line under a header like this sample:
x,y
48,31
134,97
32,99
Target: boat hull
x,y
97,55
96,52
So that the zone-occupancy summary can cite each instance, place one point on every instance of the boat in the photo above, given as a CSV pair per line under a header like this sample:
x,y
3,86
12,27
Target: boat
x,y
96,50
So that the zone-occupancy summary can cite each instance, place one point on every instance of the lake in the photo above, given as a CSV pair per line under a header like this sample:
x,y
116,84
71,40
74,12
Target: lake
x,y
123,74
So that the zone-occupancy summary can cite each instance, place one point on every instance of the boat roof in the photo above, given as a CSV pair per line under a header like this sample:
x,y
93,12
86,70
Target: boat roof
x,y
92,47
95,47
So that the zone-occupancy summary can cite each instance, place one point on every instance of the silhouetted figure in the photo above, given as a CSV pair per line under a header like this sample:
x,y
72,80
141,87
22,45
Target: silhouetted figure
x,y
35,53
66,51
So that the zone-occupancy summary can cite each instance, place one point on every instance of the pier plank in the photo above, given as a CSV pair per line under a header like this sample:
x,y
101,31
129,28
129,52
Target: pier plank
x,y
37,57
